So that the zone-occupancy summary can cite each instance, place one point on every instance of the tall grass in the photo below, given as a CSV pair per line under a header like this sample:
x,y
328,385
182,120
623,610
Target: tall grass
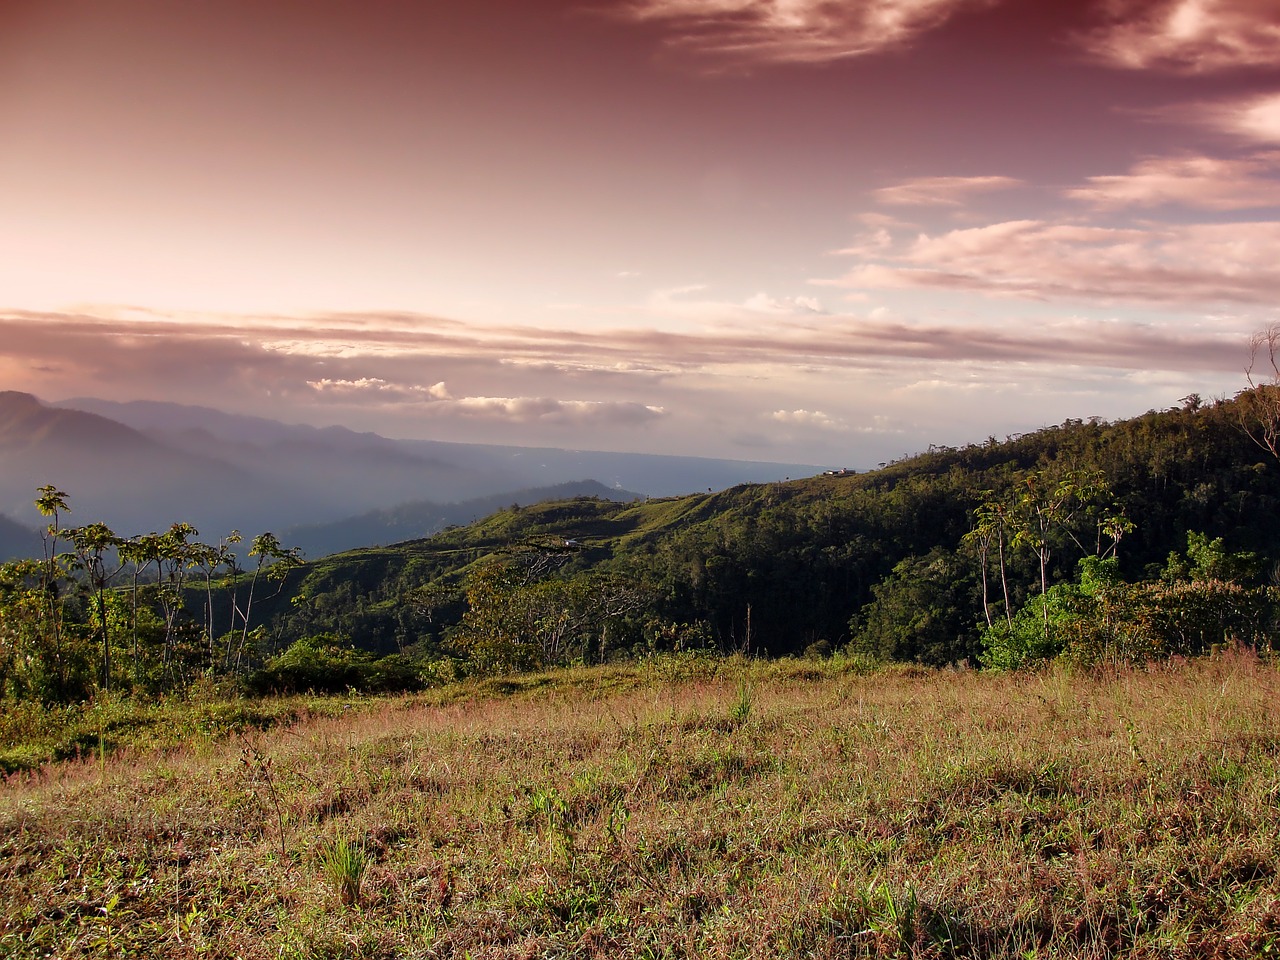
x,y
685,809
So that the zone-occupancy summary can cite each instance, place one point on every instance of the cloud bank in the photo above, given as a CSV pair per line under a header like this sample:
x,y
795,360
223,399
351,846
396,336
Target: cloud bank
x,y
1176,36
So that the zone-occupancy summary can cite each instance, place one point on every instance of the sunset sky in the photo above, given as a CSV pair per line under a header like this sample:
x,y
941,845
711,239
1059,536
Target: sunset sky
x,y
791,230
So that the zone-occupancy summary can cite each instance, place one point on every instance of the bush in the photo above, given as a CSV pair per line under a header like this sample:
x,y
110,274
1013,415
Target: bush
x,y
1037,633
323,663
1103,619
1146,621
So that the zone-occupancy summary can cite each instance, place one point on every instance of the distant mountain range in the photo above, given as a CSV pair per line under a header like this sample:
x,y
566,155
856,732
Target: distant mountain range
x,y
141,466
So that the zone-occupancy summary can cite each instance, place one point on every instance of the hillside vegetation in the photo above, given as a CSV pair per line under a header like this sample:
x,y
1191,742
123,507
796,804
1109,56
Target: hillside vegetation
x,y
891,561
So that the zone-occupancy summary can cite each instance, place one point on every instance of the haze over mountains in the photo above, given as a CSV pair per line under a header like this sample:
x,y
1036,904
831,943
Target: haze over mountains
x,y
141,466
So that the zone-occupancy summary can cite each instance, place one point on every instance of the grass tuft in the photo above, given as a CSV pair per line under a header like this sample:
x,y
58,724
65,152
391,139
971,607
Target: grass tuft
x,y
343,864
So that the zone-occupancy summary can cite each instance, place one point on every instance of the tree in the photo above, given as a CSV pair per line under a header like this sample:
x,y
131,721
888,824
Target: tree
x,y
274,563
1209,560
95,547
515,623
137,553
52,503
209,559
179,554
918,613
992,528
1051,512
30,665
498,627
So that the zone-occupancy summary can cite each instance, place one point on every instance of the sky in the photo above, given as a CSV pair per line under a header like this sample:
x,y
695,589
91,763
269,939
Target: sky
x,y
801,231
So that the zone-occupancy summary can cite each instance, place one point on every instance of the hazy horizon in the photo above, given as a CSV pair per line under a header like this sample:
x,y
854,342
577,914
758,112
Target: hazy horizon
x,y
89,404
772,230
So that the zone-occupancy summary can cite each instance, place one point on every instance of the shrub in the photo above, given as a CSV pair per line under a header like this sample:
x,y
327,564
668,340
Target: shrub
x,y
321,664
1037,633
1146,621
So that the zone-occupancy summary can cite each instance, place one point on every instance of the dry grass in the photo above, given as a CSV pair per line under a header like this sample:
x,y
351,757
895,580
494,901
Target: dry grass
x,y
684,809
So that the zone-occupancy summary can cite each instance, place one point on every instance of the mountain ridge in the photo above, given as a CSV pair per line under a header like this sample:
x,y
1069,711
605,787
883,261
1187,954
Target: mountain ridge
x,y
222,471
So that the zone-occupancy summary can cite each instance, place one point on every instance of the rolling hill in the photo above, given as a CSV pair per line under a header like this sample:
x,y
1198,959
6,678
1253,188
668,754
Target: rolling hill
x,y
420,519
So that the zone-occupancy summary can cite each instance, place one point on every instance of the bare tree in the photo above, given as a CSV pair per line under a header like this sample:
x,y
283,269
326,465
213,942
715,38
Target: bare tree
x,y
1259,407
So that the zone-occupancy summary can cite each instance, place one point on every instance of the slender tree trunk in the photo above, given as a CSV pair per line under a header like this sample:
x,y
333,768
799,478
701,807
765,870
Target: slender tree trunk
x,y
1044,587
137,659
986,602
1004,584
106,640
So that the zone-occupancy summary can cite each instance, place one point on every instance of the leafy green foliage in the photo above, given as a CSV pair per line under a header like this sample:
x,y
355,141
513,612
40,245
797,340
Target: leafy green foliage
x,y
1037,633
922,612
1102,619
61,612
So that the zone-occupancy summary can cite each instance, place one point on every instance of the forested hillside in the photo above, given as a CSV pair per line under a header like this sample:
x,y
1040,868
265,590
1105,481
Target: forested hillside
x,y
887,559
1143,538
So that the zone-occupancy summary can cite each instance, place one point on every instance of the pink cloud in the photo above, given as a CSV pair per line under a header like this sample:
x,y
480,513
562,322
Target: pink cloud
x,y
941,191
1190,36
628,375
1255,118
380,389
1159,266
793,31
1208,183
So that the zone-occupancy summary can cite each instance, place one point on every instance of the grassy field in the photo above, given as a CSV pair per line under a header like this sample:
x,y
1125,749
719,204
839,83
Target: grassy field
x,y
681,808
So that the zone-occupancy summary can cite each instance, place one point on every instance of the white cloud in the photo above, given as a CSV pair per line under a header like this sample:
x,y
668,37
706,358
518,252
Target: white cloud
x,y
941,191
763,303
744,32
548,410
510,409
871,243
1190,36
808,418
377,387
676,302
1255,118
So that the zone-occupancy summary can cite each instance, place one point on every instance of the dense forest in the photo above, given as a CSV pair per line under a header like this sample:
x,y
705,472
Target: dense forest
x,y
1144,538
